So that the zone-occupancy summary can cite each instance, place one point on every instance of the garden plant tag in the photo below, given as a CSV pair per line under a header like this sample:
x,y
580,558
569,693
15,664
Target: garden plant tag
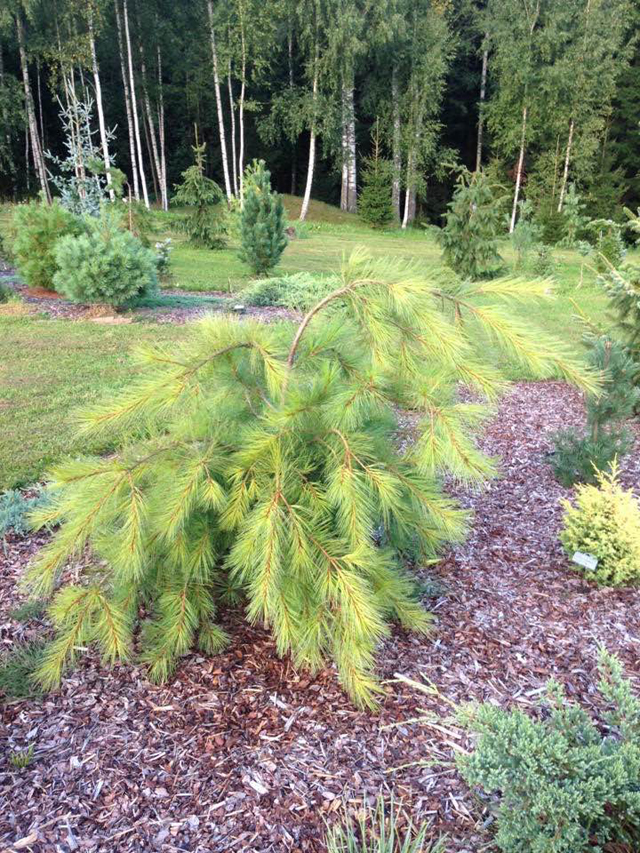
x,y
587,561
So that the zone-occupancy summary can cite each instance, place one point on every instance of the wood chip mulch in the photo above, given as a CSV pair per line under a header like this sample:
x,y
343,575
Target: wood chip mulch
x,y
241,753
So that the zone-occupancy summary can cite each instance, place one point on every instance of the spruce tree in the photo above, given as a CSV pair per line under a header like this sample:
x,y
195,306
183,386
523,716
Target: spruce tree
x,y
375,205
469,237
262,221
261,462
203,223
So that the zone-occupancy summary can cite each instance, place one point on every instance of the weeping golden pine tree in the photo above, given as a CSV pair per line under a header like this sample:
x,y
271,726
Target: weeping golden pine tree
x,y
260,463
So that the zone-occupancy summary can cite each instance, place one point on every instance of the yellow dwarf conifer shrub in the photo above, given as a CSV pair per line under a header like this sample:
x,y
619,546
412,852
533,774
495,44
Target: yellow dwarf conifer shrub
x,y
605,522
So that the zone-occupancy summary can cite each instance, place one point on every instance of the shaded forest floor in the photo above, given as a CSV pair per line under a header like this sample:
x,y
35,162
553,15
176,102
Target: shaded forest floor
x,y
242,753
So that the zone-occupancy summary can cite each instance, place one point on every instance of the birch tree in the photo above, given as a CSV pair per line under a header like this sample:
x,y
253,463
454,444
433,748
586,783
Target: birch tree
x,y
222,135
428,52
18,13
127,98
104,141
595,57
516,27
134,102
346,45
312,20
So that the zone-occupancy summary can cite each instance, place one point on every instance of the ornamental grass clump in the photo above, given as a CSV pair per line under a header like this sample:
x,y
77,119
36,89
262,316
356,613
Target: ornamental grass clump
x,y
604,522
259,463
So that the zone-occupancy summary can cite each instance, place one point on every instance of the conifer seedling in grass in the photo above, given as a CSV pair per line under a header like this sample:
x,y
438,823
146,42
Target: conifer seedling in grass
x,y
260,463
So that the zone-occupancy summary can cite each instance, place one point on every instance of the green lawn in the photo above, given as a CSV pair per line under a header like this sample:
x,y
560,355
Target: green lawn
x,y
47,369
50,367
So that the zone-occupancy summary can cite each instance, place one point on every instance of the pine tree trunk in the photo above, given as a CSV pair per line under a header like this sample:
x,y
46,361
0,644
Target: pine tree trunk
x,y
161,136
565,174
151,125
36,146
127,101
216,84
134,103
397,142
101,122
312,139
483,91
516,195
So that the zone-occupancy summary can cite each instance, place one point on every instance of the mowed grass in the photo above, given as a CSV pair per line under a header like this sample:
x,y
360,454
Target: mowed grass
x,y
48,368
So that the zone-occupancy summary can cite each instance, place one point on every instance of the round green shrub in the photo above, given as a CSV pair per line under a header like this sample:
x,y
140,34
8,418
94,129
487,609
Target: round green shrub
x,y
605,523
105,265
37,228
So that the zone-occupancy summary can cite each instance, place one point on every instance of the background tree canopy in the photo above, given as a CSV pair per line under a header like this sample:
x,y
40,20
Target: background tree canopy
x,y
546,91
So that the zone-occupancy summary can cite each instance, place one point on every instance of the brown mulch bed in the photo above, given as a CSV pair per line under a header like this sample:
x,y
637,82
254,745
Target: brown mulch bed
x,y
56,307
241,753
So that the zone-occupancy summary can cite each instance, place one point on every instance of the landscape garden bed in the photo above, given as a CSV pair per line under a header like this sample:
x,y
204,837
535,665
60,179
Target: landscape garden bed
x,y
241,752
170,306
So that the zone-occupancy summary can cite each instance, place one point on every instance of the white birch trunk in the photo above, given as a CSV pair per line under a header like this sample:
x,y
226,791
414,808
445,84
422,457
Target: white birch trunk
x,y
134,104
344,180
483,91
312,140
151,125
410,194
565,173
127,101
101,122
352,185
232,110
36,146
161,136
216,84
412,157
516,195
243,87
397,142
349,191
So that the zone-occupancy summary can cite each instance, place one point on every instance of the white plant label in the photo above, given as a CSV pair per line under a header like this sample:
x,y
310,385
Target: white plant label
x,y
587,561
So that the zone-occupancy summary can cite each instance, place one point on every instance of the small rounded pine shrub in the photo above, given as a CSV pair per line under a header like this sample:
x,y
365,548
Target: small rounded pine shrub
x,y
105,265
37,228
605,522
